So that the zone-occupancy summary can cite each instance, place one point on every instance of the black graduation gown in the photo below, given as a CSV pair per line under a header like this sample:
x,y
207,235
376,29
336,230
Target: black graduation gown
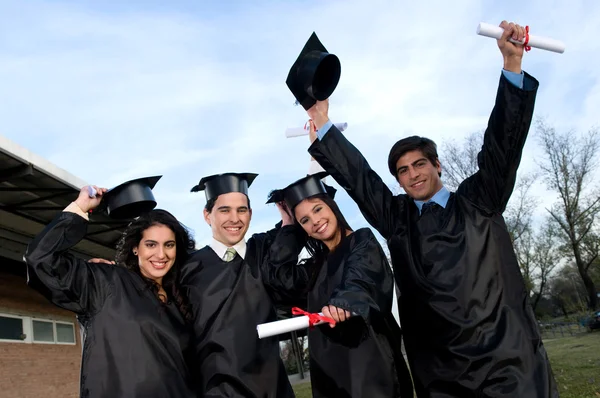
x,y
362,356
134,345
469,330
229,299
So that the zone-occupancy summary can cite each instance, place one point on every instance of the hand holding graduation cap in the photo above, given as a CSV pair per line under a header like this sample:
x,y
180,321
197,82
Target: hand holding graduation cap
x,y
86,202
286,215
312,131
319,113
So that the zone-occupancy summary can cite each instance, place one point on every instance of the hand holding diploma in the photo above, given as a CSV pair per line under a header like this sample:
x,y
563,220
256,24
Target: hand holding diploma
x,y
89,197
543,43
335,313
301,131
308,320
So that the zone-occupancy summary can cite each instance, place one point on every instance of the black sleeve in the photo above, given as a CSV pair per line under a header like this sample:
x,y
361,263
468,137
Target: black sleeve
x,y
351,170
285,277
367,282
67,281
260,243
492,185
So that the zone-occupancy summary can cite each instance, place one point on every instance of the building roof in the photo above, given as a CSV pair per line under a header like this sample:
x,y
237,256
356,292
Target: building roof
x,y
32,192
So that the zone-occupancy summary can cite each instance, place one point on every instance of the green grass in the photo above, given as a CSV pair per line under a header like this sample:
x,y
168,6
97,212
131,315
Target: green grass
x,y
302,390
575,363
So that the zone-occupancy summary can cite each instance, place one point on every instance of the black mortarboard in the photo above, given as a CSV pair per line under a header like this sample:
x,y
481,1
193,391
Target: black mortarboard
x,y
304,188
130,199
315,74
219,184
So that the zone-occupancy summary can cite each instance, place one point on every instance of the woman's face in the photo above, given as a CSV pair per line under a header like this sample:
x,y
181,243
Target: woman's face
x,y
317,219
156,252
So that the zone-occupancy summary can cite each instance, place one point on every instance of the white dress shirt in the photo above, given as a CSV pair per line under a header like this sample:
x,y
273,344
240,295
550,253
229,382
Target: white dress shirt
x,y
221,248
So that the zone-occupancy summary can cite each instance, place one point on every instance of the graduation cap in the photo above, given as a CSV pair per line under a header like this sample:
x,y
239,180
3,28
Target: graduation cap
x,y
219,184
304,188
315,74
130,199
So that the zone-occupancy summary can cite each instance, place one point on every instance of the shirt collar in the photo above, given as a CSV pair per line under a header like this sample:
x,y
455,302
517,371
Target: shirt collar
x,y
441,198
221,248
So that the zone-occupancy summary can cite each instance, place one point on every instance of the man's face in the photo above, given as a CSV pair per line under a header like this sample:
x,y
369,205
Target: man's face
x,y
230,217
418,176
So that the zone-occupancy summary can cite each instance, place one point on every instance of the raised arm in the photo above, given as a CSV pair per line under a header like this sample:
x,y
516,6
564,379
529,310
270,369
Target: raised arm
x,y
286,278
67,281
384,211
492,185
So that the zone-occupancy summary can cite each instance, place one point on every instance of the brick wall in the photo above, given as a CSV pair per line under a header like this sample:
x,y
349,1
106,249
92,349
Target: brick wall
x,y
36,370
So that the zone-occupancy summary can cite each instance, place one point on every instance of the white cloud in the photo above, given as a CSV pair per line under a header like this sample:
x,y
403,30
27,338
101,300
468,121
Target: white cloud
x,y
113,94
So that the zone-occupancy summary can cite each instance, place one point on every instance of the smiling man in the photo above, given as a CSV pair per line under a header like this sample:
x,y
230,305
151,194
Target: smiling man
x,y
469,330
228,296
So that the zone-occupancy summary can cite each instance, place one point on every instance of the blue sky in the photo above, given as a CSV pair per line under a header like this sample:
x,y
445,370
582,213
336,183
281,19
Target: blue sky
x,y
112,91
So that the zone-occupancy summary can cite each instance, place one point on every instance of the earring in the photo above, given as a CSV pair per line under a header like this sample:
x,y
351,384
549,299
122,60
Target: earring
x,y
135,252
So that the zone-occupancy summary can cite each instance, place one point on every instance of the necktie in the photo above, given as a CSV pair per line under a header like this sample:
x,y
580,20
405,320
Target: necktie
x,y
229,254
427,206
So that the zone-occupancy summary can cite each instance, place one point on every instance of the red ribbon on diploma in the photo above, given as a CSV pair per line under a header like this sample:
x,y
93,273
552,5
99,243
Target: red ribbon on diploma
x,y
312,318
527,48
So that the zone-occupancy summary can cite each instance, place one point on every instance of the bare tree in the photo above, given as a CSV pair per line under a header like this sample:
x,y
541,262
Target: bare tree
x,y
567,167
538,254
525,251
546,257
519,212
518,217
566,291
459,160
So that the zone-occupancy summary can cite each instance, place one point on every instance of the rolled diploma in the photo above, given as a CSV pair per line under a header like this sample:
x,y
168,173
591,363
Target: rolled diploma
x,y
299,131
283,326
91,192
544,43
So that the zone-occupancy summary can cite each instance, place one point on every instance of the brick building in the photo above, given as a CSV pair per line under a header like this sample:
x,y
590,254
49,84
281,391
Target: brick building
x,y
40,344
46,361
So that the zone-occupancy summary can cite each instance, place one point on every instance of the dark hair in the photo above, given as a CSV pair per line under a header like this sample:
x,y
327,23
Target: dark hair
x,y
184,244
409,144
211,203
318,250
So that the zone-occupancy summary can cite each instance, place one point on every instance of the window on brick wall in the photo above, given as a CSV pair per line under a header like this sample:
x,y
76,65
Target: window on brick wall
x,y
14,329
46,331
65,333
23,329
43,331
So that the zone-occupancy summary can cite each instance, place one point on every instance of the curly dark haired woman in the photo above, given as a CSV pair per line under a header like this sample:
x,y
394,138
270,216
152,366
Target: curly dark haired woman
x,y
136,321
